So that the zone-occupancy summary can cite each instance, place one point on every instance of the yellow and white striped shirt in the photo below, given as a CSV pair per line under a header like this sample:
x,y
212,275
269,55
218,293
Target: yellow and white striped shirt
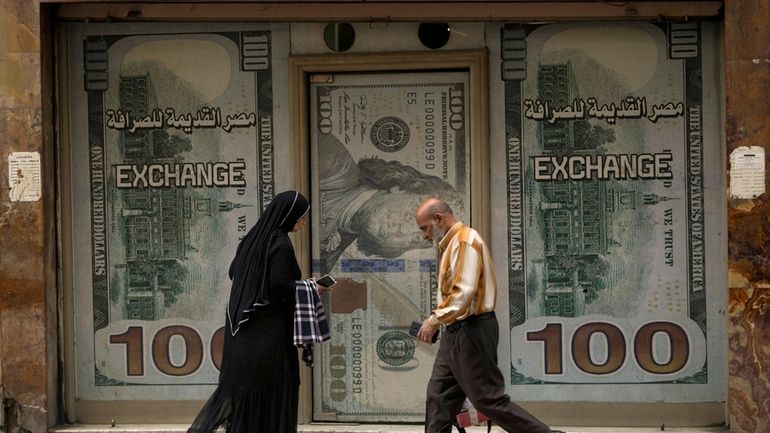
x,y
466,277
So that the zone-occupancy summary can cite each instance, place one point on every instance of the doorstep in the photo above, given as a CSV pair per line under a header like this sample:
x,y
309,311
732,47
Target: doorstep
x,y
371,428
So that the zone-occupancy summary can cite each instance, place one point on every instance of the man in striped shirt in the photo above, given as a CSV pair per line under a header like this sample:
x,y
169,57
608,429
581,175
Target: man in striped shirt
x,y
466,363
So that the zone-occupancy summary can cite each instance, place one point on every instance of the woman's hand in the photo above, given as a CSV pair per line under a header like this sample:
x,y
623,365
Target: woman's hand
x,y
321,288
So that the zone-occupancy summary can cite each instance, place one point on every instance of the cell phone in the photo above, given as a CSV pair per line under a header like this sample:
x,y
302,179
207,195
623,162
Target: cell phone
x,y
415,328
326,281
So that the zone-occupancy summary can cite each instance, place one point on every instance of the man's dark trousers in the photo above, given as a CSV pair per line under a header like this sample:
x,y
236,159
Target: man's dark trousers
x,y
466,365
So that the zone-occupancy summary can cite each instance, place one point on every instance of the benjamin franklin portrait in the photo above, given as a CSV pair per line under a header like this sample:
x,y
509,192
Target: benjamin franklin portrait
x,y
370,202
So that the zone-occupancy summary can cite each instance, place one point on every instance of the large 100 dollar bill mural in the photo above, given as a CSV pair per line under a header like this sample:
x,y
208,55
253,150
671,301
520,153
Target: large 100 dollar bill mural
x,y
173,136
613,205
381,144
607,232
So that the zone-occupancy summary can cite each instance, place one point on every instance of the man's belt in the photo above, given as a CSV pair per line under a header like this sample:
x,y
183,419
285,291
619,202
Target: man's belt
x,y
470,319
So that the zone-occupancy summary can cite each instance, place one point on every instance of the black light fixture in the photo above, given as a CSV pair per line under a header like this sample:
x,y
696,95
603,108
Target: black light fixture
x,y
433,35
339,36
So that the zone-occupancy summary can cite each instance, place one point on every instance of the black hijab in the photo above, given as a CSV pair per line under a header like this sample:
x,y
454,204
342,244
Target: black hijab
x,y
248,271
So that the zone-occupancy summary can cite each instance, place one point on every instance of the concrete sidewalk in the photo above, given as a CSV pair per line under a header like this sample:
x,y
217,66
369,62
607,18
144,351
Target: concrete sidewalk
x,y
373,428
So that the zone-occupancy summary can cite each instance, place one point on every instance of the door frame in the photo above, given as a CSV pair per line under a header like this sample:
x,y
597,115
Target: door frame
x,y
304,68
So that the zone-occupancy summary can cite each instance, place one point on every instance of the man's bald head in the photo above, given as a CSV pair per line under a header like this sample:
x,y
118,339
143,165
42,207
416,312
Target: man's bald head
x,y
433,206
433,214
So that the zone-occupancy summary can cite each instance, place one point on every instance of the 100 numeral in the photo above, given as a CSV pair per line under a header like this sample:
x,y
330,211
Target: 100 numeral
x,y
133,339
615,344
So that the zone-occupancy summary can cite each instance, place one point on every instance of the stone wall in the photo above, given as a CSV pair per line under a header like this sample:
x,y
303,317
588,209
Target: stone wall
x,y
23,346
747,74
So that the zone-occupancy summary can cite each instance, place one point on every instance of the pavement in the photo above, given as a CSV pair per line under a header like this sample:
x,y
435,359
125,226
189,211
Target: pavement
x,y
375,428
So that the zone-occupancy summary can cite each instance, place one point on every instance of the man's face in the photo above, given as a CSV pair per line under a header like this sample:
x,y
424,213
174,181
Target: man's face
x,y
437,232
428,226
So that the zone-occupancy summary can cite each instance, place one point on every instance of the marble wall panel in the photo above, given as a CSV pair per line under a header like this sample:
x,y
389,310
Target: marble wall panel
x,y
746,24
23,345
747,75
749,359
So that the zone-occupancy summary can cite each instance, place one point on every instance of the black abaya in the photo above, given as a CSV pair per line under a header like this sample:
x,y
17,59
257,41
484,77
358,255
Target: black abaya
x,y
259,379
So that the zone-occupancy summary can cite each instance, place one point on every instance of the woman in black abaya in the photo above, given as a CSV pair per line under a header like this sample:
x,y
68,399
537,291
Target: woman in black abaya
x,y
259,377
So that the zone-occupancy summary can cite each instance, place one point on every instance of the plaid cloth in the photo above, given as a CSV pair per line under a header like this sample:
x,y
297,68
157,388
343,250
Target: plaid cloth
x,y
310,322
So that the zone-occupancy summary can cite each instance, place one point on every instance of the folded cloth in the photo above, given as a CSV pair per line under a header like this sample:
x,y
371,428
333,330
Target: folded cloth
x,y
310,322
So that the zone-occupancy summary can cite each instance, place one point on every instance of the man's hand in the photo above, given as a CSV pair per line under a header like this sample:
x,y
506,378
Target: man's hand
x,y
425,334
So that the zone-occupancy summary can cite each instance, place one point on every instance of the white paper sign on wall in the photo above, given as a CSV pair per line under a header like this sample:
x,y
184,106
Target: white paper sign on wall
x,y
24,176
747,172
